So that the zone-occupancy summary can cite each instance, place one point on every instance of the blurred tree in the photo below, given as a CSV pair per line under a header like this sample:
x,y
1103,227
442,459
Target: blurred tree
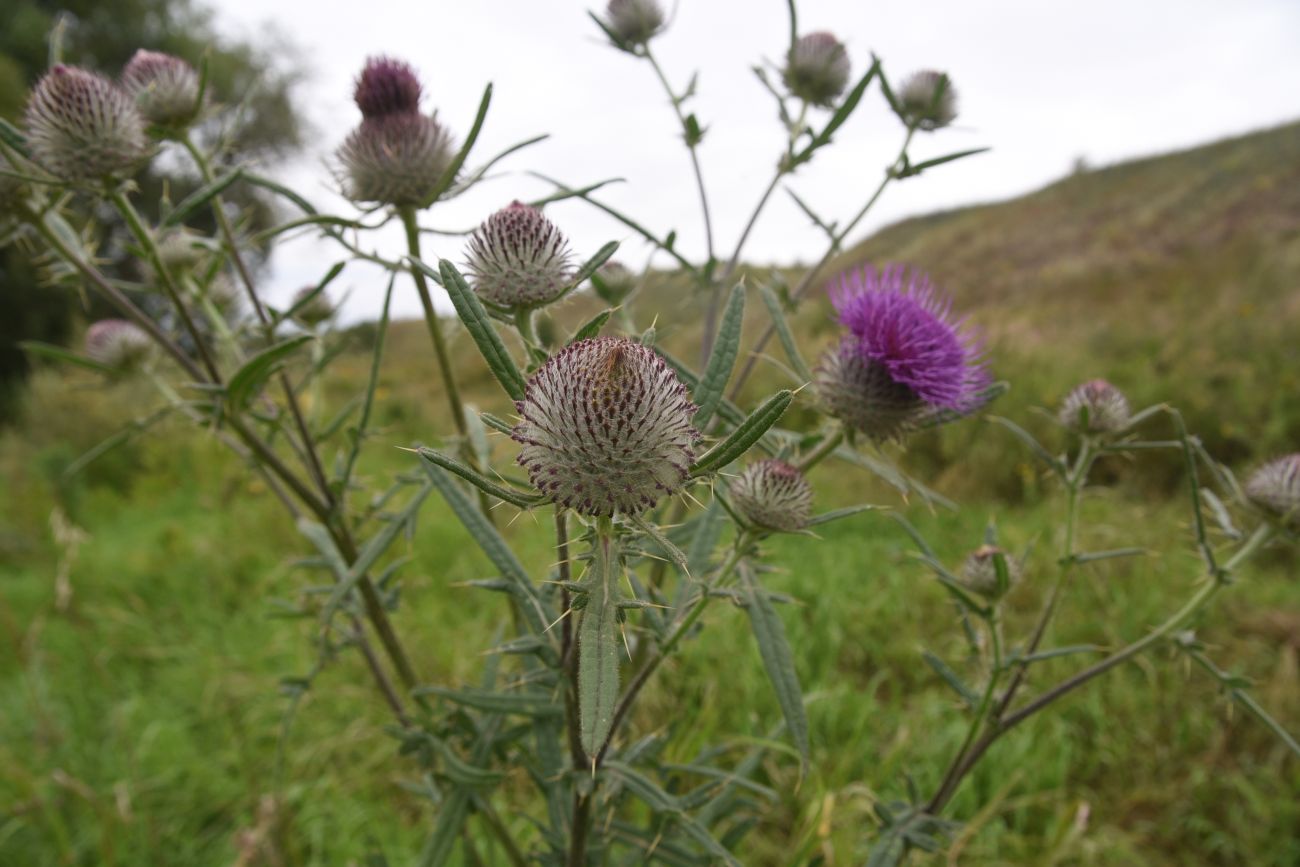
x,y
102,35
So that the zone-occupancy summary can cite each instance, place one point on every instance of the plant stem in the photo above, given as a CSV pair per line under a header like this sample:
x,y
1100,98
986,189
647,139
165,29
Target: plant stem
x,y
695,159
829,443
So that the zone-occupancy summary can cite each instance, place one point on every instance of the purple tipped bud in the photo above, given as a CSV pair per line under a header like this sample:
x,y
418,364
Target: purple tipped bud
x,y
118,344
774,495
387,86
395,159
817,68
928,100
83,127
319,309
606,428
165,88
1095,407
1275,488
905,358
614,282
634,22
518,259
980,572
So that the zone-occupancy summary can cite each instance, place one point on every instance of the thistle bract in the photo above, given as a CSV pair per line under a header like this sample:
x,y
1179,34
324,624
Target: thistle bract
x,y
83,127
979,572
904,359
817,68
387,86
1275,488
927,100
118,344
518,259
635,22
774,495
317,310
606,428
395,159
613,282
165,88
1095,407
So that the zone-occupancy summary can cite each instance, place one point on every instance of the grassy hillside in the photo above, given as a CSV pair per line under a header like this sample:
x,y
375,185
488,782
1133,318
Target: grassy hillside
x,y
140,721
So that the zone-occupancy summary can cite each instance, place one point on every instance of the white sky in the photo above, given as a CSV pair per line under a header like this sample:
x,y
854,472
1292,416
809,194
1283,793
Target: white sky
x,y
1040,81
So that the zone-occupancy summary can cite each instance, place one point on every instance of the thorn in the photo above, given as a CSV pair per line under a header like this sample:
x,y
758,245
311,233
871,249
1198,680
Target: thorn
x,y
557,620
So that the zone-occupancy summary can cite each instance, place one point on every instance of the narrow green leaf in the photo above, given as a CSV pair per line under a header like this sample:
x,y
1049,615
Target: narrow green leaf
x,y
1056,652
1034,445
745,435
248,380
200,198
449,175
951,678
480,327
13,137
783,332
847,511
713,384
653,795
124,435
58,353
534,704
281,190
917,168
372,385
478,480
708,531
589,267
777,657
674,553
497,423
1093,556
598,648
320,287
592,326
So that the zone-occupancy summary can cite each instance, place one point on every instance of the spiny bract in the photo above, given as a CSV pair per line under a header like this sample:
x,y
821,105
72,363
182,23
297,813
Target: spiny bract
x,y
83,127
817,68
1095,407
634,21
165,88
606,428
395,159
927,100
774,495
518,259
118,344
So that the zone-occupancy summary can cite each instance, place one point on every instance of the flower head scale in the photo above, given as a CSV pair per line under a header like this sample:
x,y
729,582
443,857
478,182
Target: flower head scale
x,y
635,22
395,159
1095,407
606,428
386,86
118,344
518,259
83,127
927,100
1275,488
774,495
817,68
165,88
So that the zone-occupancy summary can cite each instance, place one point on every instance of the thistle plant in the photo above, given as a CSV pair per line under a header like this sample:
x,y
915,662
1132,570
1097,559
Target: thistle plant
x,y
661,482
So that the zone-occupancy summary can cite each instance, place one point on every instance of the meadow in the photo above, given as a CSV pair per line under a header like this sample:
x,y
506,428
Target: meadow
x,y
143,714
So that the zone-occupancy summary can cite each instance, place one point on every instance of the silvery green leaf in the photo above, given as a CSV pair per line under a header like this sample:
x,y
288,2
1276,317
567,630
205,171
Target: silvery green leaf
x,y
778,660
722,360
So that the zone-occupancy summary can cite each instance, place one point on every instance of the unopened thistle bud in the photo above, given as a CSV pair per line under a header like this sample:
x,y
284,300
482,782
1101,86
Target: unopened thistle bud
x,y
387,86
181,250
395,159
613,282
904,359
927,100
223,294
606,428
317,310
980,572
118,344
1095,407
634,22
83,127
518,259
165,88
817,68
1275,488
774,495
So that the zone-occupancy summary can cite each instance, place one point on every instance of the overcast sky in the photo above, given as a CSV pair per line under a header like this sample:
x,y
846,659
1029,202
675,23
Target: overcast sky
x,y
1042,83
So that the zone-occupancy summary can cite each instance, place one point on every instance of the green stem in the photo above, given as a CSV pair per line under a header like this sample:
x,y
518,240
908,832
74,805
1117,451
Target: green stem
x,y
695,159
829,444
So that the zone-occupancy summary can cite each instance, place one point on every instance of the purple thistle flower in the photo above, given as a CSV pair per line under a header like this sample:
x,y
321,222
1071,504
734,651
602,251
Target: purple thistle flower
x,y
905,356
387,86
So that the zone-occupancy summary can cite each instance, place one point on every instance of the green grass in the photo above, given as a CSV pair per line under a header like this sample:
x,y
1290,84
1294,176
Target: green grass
x,y
141,719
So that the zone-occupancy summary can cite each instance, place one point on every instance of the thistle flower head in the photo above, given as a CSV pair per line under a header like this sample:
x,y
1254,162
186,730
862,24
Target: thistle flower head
x,y
386,86
83,127
606,428
395,159
518,259
635,22
118,344
165,88
904,358
613,282
928,100
817,68
774,495
1275,488
317,310
181,250
980,572
1095,407
224,294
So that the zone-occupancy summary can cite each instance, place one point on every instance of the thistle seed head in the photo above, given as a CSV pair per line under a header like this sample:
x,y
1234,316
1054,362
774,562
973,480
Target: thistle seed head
x,y
635,22
606,428
83,127
979,572
613,282
319,309
165,88
1095,407
1275,488
395,159
118,344
817,68
386,86
928,100
774,495
518,259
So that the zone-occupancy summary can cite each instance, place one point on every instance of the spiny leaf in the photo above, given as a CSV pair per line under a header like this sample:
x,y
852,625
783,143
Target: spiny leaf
x,y
480,327
58,353
478,480
783,334
248,380
592,326
777,657
745,435
723,358
950,677
598,648
534,704
200,198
